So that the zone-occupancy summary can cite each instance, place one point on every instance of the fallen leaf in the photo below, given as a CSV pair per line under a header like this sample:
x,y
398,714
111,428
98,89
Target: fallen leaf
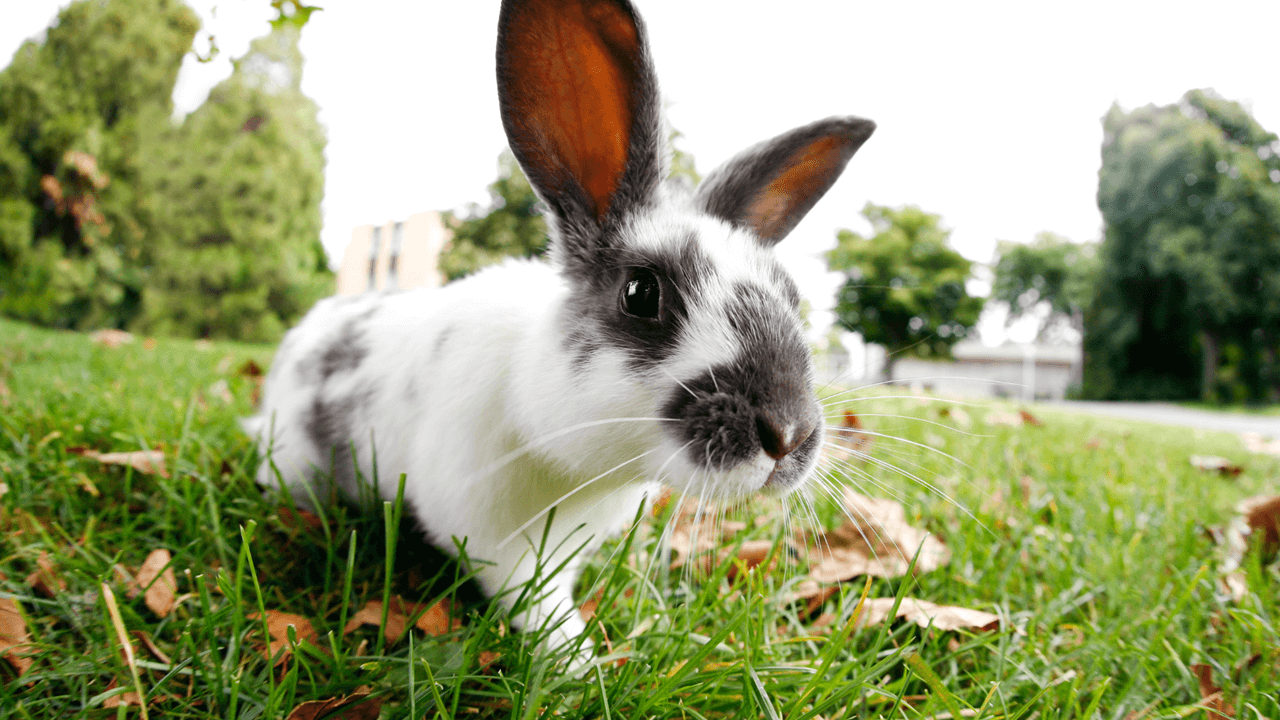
x,y
221,390
156,579
1212,463
249,369
278,624
877,541
958,415
45,579
923,613
698,530
147,461
1257,516
111,338
5,392
150,645
848,440
434,620
487,658
1030,419
1262,514
128,698
298,519
1259,443
356,706
1003,417
14,636
1211,697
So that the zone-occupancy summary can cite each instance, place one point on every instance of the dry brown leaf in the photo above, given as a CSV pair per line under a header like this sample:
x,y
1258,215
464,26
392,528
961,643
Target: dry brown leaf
x,y
696,532
147,461
278,624
111,338
249,369
1003,417
847,441
356,706
45,579
156,579
14,636
881,543
1213,463
298,519
1029,419
1262,514
150,644
128,698
923,612
487,658
5,392
1211,697
1259,443
434,620
1257,516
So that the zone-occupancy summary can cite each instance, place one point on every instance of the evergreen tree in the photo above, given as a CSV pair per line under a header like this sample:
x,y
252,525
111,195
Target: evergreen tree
x,y
75,113
235,242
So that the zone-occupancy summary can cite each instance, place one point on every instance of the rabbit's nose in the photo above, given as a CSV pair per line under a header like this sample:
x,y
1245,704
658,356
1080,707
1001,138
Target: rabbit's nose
x,y
780,439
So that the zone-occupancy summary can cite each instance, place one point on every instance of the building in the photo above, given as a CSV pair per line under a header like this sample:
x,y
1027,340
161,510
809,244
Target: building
x,y
1022,370
394,256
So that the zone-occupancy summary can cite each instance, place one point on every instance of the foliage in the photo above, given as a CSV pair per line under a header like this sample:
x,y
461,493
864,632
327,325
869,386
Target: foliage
x,y
906,285
75,112
512,224
1051,279
1190,262
1042,523
110,216
236,193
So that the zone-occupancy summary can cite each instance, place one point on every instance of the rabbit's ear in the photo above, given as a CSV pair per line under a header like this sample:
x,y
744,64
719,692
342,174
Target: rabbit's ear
x,y
580,106
769,187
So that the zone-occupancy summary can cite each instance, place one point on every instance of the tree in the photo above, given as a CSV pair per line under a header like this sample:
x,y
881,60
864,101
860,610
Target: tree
x,y
512,225
906,285
1052,280
1191,253
75,113
236,191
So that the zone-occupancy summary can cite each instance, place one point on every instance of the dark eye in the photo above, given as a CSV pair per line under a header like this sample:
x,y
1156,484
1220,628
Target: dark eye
x,y
642,295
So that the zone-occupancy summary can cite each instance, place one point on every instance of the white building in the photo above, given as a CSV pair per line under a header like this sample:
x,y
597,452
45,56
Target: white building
x,y
394,256
1013,370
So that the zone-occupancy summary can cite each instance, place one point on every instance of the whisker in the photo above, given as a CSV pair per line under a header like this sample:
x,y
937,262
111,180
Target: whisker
x,y
566,496
686,387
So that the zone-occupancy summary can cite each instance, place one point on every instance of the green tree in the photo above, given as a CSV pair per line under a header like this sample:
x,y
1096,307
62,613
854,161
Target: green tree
x,y
511,225
1052,279
1190,261
236,191
906,285
75,113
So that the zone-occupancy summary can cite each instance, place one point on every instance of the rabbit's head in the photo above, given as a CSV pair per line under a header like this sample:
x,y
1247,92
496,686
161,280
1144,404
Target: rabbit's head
x,y
673,294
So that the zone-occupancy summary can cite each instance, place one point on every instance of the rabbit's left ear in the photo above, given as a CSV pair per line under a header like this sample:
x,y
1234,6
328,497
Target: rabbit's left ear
x,y
769,187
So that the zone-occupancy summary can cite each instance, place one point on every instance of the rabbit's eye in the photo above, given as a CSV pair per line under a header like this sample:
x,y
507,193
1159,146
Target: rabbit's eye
x,y
642,295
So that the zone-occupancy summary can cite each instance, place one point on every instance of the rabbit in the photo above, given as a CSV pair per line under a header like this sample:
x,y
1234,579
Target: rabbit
x,y
661,343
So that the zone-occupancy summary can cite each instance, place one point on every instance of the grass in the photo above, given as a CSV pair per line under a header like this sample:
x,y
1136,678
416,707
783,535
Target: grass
x,y
1086,535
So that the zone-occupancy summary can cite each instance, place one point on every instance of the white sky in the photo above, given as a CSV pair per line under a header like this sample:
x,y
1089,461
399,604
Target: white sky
x,y
988,112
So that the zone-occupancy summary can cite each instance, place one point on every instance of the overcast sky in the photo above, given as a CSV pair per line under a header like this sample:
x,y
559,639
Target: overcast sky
x,y
988,113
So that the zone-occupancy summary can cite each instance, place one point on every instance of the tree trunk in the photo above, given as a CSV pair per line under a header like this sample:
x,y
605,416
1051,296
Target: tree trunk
x,y
1209,368
890,359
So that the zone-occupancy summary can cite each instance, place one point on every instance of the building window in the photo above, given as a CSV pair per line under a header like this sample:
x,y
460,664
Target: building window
x,y
374,248
393,277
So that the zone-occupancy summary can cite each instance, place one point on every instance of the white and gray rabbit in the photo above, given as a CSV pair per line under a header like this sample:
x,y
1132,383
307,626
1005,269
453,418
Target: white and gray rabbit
x,y
662,343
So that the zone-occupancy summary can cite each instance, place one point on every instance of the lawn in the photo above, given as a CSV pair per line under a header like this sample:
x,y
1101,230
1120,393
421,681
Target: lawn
x,y
1091,539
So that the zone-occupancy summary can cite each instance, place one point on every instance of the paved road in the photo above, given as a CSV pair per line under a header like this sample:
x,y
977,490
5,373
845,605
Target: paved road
x,y
1167,414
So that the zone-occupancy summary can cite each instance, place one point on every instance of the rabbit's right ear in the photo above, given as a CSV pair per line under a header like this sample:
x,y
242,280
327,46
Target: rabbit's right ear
x,y
580,105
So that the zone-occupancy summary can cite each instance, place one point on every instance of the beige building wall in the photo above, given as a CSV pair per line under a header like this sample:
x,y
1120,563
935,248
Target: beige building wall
x,y
421,238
